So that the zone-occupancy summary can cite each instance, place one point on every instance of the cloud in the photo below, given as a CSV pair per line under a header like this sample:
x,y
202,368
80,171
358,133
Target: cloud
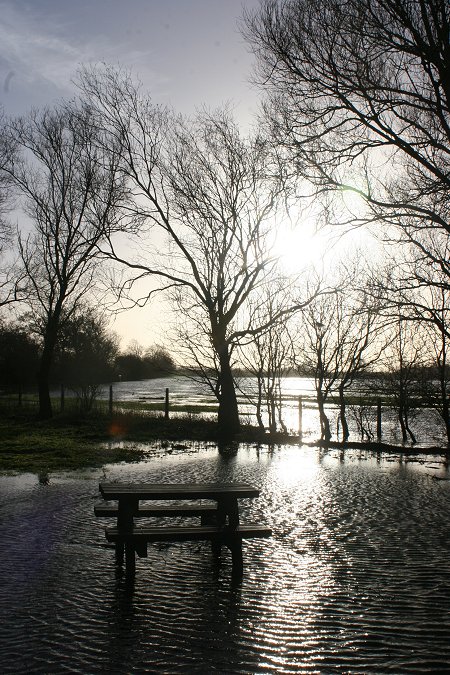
x,y
43,54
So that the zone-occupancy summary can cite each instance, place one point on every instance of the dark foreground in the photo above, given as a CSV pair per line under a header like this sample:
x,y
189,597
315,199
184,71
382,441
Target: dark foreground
x,y
355,578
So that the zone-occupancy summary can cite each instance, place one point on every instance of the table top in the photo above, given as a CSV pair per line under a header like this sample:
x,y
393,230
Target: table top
x,y
177,490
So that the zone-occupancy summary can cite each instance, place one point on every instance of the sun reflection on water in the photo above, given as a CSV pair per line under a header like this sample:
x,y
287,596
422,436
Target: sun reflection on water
x,y
354,578
299,466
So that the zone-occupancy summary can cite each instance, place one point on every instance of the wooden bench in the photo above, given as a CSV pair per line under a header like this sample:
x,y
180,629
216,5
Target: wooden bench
x,y
170,511
219,524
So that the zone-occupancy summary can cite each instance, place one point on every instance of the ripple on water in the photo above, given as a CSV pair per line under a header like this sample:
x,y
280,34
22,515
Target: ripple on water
x,y
355,579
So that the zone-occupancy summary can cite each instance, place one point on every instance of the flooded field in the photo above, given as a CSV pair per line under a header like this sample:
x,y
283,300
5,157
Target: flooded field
x,y
425,422
355,579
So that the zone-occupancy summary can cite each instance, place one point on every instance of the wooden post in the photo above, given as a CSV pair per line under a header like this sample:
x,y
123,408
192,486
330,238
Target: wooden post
x,y
300,416
166,404
236,557
62,398
20,394
130,559
379,419
110,399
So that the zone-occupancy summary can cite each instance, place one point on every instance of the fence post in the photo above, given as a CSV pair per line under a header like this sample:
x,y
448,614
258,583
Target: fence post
x,y
166,404
110,399
379,419
20,394
62,398
300,416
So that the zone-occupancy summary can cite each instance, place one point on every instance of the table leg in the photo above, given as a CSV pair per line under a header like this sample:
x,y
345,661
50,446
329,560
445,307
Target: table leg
x,y
120,550
236,557
128,507
227,507
130,560
216,545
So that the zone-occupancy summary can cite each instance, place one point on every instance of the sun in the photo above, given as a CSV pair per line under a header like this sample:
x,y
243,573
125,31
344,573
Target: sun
x,y
299,246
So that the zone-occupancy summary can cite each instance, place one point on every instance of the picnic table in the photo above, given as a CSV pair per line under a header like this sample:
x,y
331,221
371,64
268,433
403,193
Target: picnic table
x,y
220,521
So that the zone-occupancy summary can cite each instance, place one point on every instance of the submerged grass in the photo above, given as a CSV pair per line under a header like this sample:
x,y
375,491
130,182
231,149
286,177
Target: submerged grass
x,y
73,441
70,441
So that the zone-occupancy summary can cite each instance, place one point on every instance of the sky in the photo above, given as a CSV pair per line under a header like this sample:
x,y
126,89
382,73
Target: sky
x,y
187,53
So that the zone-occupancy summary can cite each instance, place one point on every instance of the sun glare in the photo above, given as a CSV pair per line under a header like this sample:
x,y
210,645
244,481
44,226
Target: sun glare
x,y
353,202
299,246
298,466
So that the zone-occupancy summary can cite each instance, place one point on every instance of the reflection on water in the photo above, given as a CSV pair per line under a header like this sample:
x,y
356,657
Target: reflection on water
x,y
356,578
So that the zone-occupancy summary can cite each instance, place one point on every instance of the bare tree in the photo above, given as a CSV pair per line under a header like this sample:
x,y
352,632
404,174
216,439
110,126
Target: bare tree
x,y
85,354
414,289
268,357
210,196
404,358
359,97
339,339
423,299
6,152
72,193
12,286
439,334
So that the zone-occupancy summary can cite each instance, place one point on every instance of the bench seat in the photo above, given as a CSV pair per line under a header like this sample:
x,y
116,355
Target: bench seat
x,y
136,540
145,511
186,533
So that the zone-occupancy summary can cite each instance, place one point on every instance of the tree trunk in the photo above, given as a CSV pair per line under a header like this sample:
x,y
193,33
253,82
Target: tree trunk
x,y
272,414
259,401
408,429
43,375
342,415
402,424
325,433
228,416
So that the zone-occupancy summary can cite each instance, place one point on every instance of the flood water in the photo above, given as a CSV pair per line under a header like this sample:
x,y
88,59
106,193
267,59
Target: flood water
x,y
355,579
426,423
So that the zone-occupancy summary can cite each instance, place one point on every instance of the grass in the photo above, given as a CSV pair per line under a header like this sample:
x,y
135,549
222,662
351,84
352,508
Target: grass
x,y
72,441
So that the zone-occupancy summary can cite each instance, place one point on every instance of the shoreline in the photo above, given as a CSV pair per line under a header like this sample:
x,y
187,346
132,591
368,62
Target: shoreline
x,y
63,443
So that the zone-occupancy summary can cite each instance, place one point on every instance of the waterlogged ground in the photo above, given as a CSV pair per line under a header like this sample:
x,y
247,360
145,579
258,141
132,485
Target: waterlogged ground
x,y
426,424
356,578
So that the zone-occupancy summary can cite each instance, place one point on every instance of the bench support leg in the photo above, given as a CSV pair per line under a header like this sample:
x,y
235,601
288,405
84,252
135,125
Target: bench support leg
x,y
130,560
216,546
236,557
120,550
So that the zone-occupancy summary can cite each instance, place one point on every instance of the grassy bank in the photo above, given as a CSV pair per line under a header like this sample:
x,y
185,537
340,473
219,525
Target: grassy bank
x,y
74,441
68,442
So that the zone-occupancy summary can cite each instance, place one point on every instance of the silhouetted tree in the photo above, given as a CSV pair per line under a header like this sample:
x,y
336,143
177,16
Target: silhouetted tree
x,y
414,290
212,195
359,97
86,350
438,330
137,364
268,357
72,192
339,338
158,361
401,381
12,286
19,355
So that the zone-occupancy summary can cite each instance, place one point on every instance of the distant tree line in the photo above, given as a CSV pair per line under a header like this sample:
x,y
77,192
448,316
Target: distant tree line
x,y
87,353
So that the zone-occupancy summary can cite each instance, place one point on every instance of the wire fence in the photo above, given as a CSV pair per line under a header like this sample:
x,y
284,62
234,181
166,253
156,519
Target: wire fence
x,y
369,419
